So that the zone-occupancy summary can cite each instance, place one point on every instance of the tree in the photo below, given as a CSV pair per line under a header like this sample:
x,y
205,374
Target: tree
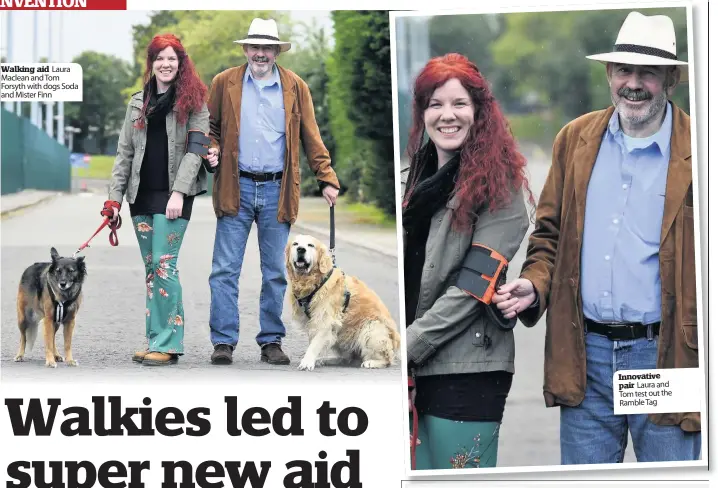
x,y
309,62
546,52
473,36
103,106
362,68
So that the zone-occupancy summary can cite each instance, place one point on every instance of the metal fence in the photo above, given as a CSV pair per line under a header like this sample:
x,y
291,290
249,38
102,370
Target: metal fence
x,y
30,159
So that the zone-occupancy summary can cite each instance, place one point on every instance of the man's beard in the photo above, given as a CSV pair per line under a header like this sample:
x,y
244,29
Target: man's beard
x,y
629,114
261,59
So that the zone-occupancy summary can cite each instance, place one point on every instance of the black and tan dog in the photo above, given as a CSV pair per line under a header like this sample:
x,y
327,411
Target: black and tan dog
x,y
51,294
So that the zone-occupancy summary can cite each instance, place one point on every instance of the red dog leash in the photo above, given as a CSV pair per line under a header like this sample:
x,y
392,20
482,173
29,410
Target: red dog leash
x,y
107,213
415,424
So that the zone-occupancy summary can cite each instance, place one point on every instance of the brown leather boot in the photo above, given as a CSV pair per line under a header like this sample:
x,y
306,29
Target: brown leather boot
x,y
159,359
140,355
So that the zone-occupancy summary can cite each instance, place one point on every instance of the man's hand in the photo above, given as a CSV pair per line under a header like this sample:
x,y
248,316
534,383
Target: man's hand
x,y
174,206
514,297
213,156
330,195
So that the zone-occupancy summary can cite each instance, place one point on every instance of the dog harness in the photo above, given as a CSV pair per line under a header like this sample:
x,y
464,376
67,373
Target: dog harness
x,y
60,307
304,302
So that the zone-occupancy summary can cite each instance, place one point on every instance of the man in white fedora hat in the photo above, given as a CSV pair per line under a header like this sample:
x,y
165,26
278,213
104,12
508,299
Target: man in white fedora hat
x,y
612,256
260,113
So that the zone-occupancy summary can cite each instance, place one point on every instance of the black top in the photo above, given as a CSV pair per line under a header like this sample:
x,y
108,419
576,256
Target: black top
x,y
154,173
471,397
154,192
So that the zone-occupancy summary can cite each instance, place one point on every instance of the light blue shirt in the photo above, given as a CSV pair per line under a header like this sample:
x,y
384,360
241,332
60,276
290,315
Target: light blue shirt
x,y
620,280
262,141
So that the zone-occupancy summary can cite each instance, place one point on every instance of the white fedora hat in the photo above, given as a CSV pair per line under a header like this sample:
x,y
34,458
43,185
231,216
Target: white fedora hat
x,y
645,40
264,32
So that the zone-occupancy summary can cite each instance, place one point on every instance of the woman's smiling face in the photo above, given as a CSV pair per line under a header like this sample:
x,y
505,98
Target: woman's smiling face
x,y
449,117
165,66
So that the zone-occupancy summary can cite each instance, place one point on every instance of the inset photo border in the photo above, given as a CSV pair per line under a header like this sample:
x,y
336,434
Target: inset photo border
x,y
488,378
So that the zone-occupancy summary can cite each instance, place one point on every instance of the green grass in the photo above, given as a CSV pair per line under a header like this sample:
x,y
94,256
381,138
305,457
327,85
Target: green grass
x,y
100,168
363,213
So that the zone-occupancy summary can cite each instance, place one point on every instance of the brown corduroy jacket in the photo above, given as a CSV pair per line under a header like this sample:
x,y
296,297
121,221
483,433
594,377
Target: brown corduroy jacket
x,y
224,104
553,262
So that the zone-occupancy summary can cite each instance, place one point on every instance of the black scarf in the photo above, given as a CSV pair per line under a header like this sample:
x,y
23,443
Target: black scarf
x,y
159,105
433,189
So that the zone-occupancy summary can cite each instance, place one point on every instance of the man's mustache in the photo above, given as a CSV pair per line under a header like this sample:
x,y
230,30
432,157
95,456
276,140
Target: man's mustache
x,y
260,59
634,94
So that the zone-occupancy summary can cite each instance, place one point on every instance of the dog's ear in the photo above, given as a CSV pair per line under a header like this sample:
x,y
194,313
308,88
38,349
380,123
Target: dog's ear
x,y
81,267
54,255
288,259
324,259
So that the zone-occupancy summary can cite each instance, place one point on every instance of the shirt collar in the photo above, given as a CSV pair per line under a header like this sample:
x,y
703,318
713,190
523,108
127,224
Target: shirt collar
x,y
662,138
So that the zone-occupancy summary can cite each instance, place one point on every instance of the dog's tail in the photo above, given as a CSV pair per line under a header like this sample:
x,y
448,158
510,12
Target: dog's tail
x,y
30,336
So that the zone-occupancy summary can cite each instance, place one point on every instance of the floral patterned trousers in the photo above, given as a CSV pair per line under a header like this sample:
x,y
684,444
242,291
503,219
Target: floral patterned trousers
x,y
160,240
452,444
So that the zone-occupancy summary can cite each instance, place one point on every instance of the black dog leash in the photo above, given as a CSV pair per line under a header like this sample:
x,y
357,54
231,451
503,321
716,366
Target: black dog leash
x,y
331,233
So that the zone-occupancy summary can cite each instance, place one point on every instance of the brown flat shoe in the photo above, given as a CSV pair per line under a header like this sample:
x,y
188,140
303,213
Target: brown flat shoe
x,y
140,355
159,359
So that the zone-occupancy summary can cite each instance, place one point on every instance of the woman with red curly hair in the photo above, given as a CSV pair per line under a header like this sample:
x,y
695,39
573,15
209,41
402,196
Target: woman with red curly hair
x,y
463,213
159,180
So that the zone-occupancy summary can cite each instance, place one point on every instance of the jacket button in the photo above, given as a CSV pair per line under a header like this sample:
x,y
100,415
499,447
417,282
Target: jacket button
x,y
431,265
478,334
574,325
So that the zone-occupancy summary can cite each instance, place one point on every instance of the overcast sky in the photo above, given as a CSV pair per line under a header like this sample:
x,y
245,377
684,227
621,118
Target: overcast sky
x,y
105,32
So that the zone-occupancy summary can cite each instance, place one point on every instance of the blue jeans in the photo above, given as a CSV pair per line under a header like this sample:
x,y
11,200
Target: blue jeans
x,y
258,204
592,434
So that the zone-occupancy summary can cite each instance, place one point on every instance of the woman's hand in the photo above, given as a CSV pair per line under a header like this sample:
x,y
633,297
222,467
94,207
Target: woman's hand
x,y
213,156
174,206
515,297
111,210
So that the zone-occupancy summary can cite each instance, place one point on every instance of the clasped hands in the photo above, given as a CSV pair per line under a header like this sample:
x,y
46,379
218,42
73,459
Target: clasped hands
x,y
513,298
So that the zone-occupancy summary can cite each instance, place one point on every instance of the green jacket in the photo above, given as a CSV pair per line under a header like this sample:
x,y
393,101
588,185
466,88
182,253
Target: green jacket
x,y
452,333
187,175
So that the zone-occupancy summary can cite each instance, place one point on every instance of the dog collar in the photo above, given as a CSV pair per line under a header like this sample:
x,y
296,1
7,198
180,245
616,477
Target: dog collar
x,y
304,302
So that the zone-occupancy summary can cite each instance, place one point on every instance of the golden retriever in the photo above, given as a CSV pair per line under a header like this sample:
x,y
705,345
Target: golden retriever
x,y
342,316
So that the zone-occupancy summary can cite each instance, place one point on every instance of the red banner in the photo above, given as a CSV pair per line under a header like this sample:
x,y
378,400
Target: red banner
x,y
63,5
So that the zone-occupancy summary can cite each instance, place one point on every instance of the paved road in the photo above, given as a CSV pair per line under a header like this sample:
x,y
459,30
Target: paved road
x,y
111,324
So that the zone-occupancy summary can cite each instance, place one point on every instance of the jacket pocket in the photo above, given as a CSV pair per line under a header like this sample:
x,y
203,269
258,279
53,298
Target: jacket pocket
x,y
690,335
